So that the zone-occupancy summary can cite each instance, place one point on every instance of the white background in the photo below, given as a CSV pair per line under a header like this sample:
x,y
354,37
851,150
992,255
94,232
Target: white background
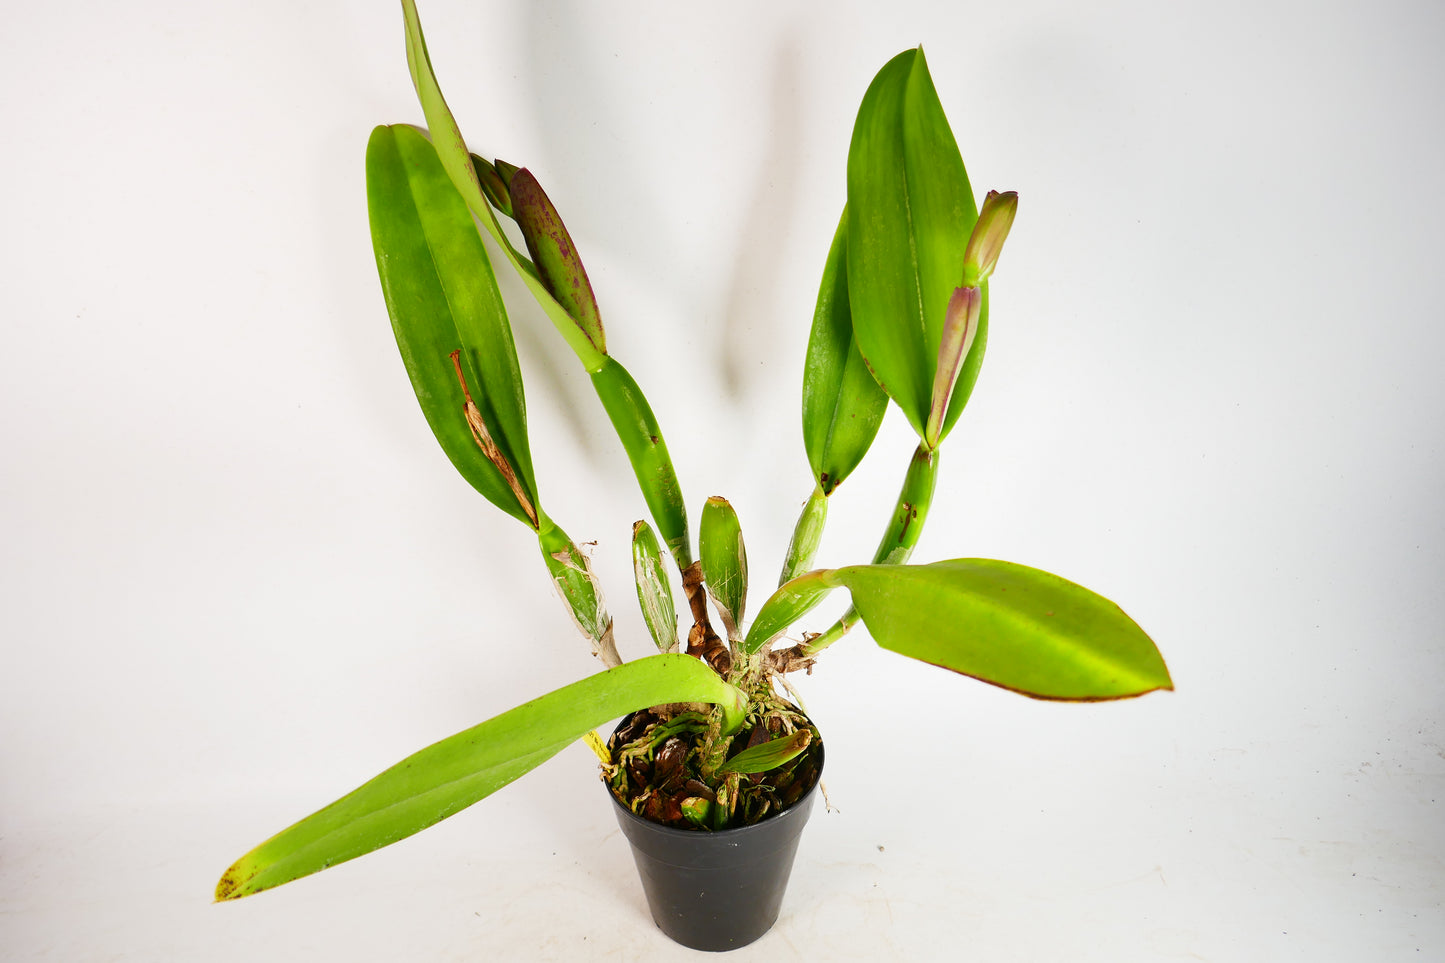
x,y
239,577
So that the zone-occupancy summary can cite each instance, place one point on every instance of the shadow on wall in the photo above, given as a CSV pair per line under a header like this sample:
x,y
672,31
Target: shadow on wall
x,y
756,272
577,97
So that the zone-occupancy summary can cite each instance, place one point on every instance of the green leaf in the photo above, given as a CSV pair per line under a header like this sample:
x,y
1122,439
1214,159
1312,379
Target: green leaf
x,y
1003,623
793,599
457,160
768,755
555,255
910,213
636,426
625,404
807,533
1008,624
724,562
450,775
442,297
654,593
842,404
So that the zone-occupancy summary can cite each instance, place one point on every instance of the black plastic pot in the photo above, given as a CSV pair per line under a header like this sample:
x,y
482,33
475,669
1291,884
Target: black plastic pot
x,y
716,890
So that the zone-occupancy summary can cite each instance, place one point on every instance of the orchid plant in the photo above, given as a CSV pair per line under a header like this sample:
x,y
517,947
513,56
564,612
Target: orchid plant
x,y
902,315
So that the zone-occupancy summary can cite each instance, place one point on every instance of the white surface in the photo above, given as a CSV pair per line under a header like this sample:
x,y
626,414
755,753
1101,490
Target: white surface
x,y
239,577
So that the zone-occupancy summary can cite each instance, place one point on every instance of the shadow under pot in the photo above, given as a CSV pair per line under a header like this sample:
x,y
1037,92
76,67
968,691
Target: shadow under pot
x,y
717,890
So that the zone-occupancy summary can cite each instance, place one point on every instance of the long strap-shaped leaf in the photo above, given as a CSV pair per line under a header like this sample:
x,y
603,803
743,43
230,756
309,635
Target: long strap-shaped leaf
x,y
1004,623
626,406
450,775
910,212
637,428
443,298
452,149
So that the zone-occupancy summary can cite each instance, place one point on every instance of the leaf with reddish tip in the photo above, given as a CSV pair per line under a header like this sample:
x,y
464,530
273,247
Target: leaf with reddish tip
x,y
1000,622
1008,624
554,253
